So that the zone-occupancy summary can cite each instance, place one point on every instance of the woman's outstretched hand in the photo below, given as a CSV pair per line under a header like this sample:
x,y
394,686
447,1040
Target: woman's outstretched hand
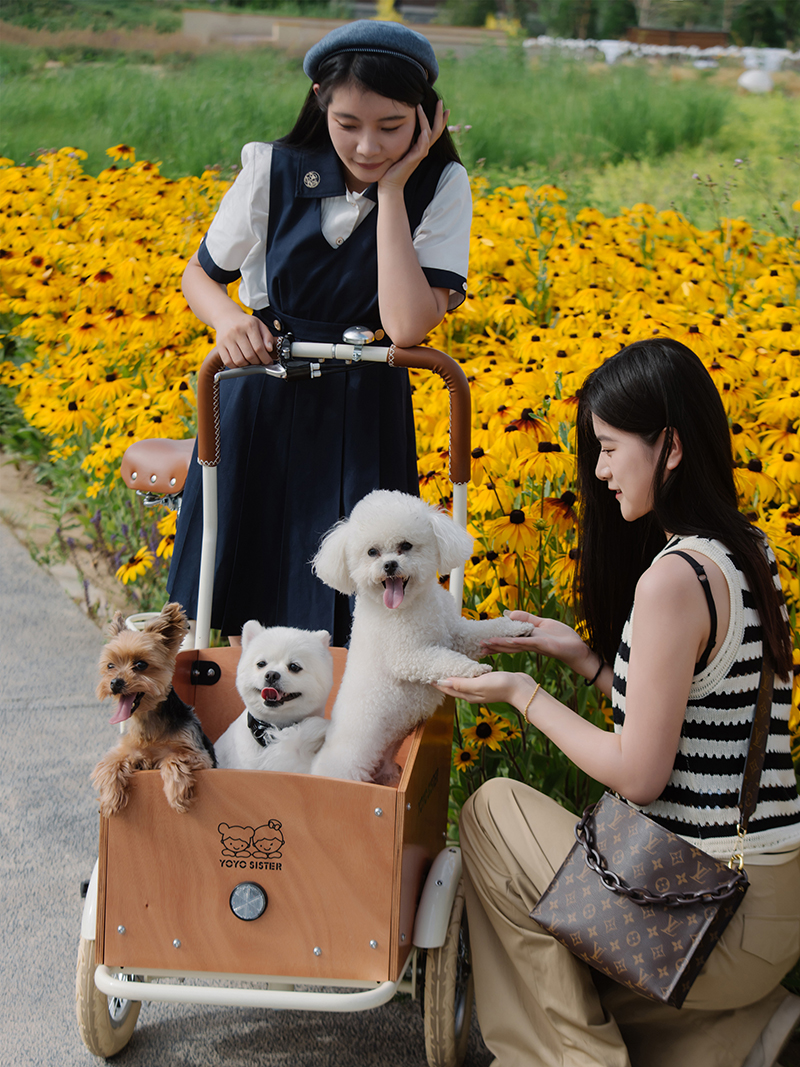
x,y
550,638
490,688
398,174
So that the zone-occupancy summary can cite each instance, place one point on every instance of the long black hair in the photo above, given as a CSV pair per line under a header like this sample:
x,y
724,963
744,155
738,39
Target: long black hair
x,y
390,76
649,387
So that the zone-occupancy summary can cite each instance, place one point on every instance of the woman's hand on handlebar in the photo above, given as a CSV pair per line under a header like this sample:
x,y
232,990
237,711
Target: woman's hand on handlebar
x,y
243,340
550,638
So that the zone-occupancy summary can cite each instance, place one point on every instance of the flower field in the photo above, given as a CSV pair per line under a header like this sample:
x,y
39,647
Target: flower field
x,y
101,350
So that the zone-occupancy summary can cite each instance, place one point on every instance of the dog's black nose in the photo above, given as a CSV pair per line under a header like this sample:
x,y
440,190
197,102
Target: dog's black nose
x,y
271,677
390,566
117,686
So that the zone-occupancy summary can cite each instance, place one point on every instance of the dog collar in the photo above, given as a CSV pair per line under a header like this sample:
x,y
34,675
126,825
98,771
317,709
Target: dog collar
x,y
262,731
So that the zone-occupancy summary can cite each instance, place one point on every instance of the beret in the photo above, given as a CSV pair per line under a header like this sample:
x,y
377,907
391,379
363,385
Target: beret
x,y
371,35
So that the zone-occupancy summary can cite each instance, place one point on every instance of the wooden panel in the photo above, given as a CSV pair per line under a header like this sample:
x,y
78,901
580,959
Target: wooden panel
x,y
326,865
216,705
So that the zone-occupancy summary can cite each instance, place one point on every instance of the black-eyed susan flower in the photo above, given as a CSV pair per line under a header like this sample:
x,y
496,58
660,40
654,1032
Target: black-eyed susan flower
x,y
488,730
464,758
560,511
135,566
562,571
122,151
517,530
753,483
548,462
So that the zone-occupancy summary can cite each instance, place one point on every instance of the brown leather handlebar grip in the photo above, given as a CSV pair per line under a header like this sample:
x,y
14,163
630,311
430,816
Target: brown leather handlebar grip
x,y
208,410
460,402
208,443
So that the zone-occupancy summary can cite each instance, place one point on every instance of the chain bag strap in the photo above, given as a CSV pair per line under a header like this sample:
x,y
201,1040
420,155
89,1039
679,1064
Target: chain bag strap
x,y
641,904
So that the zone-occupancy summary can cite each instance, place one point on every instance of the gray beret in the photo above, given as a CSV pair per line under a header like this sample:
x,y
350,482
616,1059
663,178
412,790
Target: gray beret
x,y
370,35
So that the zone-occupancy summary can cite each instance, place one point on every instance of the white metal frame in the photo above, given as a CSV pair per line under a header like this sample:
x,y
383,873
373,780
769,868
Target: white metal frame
x,y
152,984
373,996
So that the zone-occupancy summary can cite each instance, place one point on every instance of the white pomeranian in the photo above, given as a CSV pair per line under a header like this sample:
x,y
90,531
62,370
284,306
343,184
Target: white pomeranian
x,y
407,631
284,678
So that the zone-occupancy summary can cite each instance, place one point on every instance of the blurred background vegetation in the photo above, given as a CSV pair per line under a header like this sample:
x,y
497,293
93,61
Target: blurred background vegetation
x,y
772,23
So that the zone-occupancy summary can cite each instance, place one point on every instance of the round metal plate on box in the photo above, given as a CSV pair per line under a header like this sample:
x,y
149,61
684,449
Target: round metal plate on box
x,y
248,901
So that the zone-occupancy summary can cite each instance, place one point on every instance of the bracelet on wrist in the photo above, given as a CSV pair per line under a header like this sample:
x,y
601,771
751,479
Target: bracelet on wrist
x,y
591,681
530,700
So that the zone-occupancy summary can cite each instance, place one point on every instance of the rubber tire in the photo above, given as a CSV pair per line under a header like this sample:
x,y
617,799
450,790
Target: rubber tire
x,y
449,992
102,1034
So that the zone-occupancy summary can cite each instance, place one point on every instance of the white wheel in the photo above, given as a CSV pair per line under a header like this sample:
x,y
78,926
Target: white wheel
x,y
105,1023
448,991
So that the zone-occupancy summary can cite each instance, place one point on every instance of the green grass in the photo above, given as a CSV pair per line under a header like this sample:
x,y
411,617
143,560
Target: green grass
x,y
558,113
760,131
164,16
188,111
612,136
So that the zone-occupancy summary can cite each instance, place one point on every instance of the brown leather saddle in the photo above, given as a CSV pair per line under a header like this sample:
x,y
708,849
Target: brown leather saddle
x,y
157,467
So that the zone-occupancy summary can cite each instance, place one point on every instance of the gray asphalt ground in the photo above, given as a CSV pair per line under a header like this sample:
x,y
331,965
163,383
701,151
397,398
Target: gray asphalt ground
x,y
54,731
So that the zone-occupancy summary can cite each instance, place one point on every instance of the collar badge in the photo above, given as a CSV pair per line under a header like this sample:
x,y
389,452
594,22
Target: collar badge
x,y
311,180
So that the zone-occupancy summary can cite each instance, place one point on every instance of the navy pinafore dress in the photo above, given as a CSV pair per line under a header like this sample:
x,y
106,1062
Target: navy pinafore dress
x,y
296,456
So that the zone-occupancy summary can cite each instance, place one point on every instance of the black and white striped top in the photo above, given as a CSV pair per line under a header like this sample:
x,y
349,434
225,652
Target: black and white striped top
x,y
699,801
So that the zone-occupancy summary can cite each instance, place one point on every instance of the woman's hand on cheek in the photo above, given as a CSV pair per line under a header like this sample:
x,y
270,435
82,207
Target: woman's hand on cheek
x,y
244,341
487,689
398,174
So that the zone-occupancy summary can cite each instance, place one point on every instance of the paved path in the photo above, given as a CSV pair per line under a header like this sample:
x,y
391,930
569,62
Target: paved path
x,y
54,732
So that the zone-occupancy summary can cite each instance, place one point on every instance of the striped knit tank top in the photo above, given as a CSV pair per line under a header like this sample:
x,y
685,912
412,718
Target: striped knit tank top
x,y
699,801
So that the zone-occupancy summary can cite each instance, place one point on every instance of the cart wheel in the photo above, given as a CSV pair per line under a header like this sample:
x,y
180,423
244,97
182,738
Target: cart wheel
x,y
448,991
105,1023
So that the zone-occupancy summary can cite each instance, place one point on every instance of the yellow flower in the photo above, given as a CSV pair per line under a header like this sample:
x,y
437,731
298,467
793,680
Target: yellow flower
x,y
562,571
560,511
134,567
122,151
517,530
463,758
488,730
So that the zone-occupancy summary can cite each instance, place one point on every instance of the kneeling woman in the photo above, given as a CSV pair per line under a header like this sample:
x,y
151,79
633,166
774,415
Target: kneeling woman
x,y
678,645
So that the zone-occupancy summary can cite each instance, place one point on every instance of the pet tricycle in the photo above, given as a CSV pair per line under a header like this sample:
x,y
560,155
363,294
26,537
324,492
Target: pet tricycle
x,y
278,884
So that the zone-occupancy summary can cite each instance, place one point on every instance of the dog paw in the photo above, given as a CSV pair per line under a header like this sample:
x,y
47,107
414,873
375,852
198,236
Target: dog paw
x,y
513,628
178,786
179,798
475,670
112,803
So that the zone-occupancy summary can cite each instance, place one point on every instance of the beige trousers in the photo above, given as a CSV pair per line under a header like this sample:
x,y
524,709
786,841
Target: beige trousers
x,y
539,1006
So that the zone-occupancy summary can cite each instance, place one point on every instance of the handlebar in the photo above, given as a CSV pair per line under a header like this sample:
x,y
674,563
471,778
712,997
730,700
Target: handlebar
x,y
213,370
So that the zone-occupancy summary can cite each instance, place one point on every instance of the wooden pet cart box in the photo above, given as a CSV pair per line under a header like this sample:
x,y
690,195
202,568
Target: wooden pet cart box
x,y
337,866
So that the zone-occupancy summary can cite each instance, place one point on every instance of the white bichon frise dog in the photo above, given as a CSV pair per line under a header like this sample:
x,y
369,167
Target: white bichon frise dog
x,y
284,678
407,631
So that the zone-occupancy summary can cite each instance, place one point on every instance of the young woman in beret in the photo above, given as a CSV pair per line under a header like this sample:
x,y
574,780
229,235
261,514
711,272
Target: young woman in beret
x,y
360,215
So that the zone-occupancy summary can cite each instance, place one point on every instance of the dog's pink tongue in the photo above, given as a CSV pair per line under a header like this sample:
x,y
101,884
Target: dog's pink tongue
x,y
393,592
123,709
270,694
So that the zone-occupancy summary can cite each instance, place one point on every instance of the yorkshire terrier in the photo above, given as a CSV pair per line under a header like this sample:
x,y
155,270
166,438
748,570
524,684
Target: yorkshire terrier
x,y
164,733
